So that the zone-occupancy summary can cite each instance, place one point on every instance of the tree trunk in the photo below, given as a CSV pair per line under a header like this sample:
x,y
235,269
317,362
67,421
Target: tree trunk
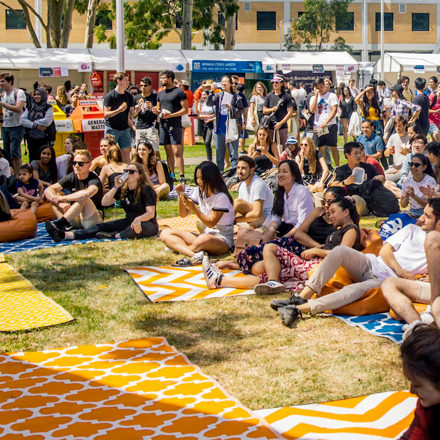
x,y
29,24
54,15
187,25
230,33
90,23
67,25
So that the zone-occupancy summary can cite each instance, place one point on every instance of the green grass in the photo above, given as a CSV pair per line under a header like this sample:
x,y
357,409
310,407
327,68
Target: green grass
x,y
239,340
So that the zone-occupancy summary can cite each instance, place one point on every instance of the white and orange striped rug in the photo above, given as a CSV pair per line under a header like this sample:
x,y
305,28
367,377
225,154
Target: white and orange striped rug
x,y
188,223
375,417
166,283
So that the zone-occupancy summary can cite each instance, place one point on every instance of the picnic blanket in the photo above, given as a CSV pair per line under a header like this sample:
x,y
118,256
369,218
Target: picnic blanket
x,y
379,324
374,417
40,241
22,307
188,223
133,390
165,283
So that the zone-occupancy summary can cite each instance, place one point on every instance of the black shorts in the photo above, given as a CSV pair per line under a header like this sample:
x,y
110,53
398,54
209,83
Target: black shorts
x,y
170,134
330,139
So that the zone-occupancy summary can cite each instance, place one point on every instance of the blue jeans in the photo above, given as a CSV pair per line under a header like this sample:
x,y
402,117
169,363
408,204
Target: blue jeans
x,y
220,149
122,137
12,137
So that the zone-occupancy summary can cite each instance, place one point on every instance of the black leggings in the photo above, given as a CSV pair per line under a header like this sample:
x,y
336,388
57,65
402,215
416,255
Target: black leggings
x,y
122,226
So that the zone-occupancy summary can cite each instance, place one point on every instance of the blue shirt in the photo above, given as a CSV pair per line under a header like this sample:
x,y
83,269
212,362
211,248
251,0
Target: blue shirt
x,y
372,145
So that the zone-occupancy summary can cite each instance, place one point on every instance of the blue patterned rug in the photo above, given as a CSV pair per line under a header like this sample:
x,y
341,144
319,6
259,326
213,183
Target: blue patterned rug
x,y
40,241
380,324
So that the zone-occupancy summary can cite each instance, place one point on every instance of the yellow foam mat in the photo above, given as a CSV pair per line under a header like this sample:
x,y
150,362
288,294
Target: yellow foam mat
x,y
369,221
188,223
139,389
377,416
22,307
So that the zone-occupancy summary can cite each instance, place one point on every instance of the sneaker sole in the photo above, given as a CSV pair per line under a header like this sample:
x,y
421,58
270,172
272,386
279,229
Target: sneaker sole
x,y
262,289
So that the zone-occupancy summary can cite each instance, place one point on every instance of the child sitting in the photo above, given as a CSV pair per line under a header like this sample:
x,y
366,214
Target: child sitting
x,y
29,189
420,353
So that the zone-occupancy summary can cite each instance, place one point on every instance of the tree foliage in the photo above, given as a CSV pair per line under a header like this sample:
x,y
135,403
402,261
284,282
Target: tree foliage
x,y
314,27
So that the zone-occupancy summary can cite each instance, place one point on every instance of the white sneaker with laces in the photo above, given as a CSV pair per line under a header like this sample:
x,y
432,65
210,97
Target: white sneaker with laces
x,y
198,257
269,288
426,316
211,273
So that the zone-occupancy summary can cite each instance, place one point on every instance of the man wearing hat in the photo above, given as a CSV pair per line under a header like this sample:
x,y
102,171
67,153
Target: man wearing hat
x,y
184,85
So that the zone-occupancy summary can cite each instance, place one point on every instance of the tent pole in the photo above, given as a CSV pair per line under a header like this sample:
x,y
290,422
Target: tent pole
x,y
120,40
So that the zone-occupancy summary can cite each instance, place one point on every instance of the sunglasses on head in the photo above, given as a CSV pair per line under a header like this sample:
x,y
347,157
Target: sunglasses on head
x,y
80,163
415,164
130,171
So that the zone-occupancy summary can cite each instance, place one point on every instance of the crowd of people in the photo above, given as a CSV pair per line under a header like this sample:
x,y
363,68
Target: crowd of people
x,y
302,206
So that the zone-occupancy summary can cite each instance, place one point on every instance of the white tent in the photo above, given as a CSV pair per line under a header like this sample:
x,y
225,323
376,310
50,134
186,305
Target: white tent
x,y
402,61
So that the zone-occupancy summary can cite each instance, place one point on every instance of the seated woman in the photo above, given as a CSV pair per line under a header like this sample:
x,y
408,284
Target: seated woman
x,y
114,168
146,156
213,205
284,270
396,149
100,162
421,175
45,168
138,200
263,152
314,168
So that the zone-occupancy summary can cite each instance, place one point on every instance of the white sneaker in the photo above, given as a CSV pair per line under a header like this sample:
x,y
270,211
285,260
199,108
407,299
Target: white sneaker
x,y
212,274
198,257
269,288
408,328
426,316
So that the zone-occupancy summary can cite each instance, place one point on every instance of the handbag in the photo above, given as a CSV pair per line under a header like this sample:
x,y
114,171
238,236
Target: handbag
x,y
231,130
354,126
250,124
245,238
186,121
267,120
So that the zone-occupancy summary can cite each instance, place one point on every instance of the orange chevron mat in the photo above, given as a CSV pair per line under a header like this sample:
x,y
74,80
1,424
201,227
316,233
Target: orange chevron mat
x,y
22,307
166,283
139,389
374,417
188,223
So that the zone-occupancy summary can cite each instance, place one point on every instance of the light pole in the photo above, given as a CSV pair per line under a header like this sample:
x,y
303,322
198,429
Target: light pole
x,y
382,36
285,20
120,37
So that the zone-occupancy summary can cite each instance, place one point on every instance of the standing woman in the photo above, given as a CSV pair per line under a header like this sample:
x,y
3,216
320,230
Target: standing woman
x,y
370,109
256,103
207,116
153,167
227,105
213,205
101,161
45,168
37,120
347,106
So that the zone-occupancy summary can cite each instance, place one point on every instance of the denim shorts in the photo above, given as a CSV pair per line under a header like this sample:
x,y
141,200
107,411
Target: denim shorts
x,y
122,137
12,137
432,128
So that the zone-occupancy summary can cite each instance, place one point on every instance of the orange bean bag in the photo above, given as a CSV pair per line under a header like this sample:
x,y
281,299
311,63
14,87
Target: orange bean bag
x,y
418,306
373,301
22,225
45,212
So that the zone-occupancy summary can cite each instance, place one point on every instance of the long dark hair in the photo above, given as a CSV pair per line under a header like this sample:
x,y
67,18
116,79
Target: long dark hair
x,y
373,104
278,203
425,161
348,203
212,178
337,191
53,170
142,182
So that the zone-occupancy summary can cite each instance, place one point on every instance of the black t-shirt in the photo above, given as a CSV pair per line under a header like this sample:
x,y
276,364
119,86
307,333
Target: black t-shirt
x,y
146,118
132,209
71,182
344,171
311,121
114,100
272,100
170,100
423,120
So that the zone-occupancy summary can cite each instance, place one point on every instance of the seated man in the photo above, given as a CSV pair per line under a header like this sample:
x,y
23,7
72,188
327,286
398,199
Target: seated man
x,y
402,255
255,199
403,291
372,142
80,208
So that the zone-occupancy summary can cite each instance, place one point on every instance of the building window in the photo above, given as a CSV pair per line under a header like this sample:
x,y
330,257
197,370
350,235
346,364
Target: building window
x,y
347,24
266,21
388,18
15,19
103,17
420,22
221,19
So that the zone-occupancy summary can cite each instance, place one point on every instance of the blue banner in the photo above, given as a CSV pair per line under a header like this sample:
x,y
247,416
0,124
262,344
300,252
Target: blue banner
x,y
227,66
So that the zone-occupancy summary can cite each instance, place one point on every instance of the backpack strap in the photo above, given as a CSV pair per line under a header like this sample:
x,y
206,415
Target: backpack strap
x,y
433,101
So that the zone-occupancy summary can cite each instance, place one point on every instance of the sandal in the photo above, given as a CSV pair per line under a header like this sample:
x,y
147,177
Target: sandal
x,y
184,262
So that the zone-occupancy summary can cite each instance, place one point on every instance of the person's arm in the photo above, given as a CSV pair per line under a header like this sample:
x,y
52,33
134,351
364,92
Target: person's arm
x,y
252,112
331,115
25,121
379,152
405,198
387,255
46,120
416,109
325,172
103,175
79,196
313,102
278,125
209,221
301,234
25,196
109,113
181,112
160,172
150,212
17,107
358,99
253,214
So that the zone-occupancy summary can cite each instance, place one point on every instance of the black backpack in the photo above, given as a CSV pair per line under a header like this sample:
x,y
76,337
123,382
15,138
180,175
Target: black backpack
x,y
168,177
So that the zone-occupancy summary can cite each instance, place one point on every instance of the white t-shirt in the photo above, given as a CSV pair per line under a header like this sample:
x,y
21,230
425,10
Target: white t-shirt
x,y
298,95
63,165
216,202
397,141
257,190
5,169
324,108
10,118
409,181
409,246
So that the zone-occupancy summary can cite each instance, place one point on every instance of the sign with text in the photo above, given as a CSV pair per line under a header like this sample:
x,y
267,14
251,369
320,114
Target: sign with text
x,y
64,125
51,72
227,66
85,67
318,68
93,124
419,68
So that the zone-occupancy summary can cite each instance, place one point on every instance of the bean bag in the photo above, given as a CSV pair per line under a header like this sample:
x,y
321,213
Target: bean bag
x,y
418,306
22,225
372,301
45,212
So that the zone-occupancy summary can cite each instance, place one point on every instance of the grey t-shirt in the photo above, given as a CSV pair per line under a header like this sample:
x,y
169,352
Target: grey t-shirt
x,y
10,118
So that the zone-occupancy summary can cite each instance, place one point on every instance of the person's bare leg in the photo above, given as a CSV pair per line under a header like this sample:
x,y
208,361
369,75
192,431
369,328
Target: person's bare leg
x,y
242,206
230,264
271,262
34,207
125,155
178,153
209,243
258,268
247,282
400,294
170,157
162,191
432,249
335,154
307,293
16,163
345,129
391,186
178,240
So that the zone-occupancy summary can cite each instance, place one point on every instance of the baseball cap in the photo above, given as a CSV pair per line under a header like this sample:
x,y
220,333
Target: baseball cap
x,y
291,140
277,78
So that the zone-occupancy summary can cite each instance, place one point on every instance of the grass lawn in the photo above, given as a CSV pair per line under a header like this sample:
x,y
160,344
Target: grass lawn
x,y
239,341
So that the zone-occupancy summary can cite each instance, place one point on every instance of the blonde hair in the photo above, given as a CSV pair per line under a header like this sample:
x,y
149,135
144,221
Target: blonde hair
x,y
254,90
61,95
85,153
311,158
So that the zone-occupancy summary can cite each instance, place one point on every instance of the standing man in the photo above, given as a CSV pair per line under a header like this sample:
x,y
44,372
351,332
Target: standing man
x,y
422,122
325,106
146,111
173,105
118,109
407,92
352,86
12,101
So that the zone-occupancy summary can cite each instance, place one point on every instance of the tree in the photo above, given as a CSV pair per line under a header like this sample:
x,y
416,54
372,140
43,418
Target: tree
x,y
319,20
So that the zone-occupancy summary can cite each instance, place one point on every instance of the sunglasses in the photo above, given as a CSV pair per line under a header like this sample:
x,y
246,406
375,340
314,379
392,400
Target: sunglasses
x,y
145,85
305,144
130,171
415,164
80,163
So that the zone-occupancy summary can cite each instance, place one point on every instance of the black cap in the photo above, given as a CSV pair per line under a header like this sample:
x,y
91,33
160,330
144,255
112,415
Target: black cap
x,y
397,88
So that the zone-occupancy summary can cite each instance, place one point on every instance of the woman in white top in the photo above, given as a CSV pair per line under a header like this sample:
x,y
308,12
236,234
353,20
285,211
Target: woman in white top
x,y
256,103
207,115
213,205
397,146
